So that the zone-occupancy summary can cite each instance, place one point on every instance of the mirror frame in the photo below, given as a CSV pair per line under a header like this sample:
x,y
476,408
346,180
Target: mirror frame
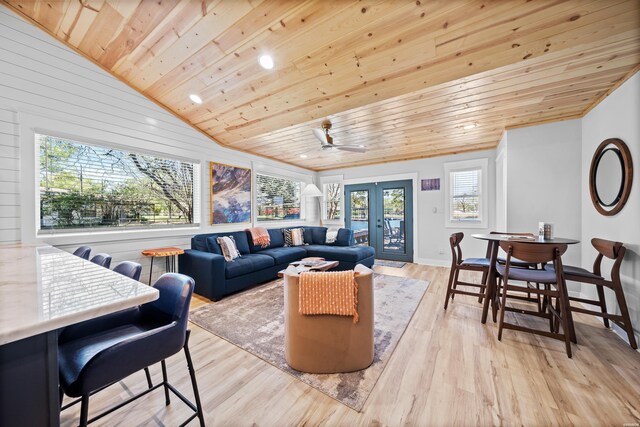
x,y
623,153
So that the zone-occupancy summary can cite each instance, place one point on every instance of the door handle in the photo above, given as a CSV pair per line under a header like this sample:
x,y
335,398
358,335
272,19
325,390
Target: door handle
x,y
379,226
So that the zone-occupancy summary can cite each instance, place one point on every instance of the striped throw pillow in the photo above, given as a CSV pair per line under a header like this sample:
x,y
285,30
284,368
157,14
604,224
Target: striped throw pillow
x,y
228,247
294,237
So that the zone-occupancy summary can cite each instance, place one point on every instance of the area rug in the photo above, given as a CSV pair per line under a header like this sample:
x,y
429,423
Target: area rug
x,y
387,263
254,321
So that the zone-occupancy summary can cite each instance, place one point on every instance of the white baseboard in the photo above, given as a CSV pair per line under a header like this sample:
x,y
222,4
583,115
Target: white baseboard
x,y
434,262
615,328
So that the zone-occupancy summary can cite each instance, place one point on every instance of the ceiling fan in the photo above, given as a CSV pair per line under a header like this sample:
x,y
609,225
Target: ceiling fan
x,y
327,140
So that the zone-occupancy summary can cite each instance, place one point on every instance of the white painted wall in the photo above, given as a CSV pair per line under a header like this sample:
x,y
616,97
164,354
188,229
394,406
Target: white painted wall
x,y
47,86
431,235
543,181
618,116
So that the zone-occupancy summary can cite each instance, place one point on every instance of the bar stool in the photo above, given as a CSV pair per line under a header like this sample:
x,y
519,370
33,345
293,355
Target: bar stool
x,y
100,352
614,251
129,269
83,252
459,264
103,260
554,288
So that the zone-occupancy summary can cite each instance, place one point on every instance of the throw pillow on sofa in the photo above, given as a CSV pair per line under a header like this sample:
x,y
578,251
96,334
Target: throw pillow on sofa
x,y
228,247
294,237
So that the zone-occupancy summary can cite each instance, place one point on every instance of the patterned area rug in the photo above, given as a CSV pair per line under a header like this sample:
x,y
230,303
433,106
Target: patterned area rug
x,y
387,263
254,321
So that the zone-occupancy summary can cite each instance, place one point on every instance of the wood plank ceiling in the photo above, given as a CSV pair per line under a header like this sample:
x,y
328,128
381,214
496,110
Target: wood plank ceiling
x,y
407,79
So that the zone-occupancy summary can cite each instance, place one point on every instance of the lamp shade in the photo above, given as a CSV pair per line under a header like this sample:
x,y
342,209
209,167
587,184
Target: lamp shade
x,y
311,190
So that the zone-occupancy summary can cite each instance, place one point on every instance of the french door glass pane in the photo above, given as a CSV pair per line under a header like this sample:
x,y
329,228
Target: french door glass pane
x,y
360,216
394,220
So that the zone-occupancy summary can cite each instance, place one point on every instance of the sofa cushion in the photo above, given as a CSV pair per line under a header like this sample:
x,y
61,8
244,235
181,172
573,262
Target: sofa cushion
x,y
315,235
240,237
341,253
344,237
276,240
247,264
286,255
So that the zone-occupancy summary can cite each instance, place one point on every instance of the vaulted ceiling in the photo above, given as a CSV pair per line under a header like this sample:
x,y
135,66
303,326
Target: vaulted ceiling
x,y
406,79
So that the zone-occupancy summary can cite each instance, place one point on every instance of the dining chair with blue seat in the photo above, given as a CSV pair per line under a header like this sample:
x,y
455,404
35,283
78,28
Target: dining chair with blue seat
x,y
103,260
83,252
129,269
100,352
614,251
554,288
458,263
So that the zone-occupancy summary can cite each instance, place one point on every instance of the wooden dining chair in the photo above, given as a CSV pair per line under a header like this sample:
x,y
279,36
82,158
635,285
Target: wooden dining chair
x,y
460,264
554,287
614,251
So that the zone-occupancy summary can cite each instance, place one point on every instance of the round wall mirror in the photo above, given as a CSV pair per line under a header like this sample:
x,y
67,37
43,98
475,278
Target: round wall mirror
x,y
610,176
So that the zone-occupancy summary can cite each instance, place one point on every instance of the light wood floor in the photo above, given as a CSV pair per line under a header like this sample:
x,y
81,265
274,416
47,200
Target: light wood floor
x,y
448,369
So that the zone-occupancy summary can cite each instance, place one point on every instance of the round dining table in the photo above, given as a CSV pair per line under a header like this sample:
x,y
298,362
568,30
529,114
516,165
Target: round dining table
x,y
494,240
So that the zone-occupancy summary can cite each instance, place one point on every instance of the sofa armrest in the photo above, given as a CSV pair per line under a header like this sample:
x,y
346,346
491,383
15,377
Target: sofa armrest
x,y
207,270
344,238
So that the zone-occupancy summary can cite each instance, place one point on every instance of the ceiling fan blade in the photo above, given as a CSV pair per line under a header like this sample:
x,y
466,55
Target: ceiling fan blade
x,y
318,133
352,148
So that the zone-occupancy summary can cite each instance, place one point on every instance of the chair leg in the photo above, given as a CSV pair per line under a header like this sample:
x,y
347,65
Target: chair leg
x,y
502,308
165,380
562,305
194,383
483,286
148,374
454,285
624,311
448,294
84,410
603,305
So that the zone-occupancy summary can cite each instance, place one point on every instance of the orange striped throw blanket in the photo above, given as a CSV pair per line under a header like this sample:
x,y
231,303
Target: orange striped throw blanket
x,y
260,236
328,292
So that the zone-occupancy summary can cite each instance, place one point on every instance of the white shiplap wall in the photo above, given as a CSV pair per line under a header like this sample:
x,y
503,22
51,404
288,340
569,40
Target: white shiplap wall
x,y
46,86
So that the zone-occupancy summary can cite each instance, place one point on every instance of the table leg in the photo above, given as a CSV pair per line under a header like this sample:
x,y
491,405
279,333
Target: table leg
x,y
491,285
150,270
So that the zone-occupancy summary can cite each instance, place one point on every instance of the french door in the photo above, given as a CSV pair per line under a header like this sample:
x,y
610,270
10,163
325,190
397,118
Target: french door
x,y
381,215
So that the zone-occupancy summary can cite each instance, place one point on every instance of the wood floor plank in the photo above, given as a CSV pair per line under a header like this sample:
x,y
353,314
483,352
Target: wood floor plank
x,y
448,369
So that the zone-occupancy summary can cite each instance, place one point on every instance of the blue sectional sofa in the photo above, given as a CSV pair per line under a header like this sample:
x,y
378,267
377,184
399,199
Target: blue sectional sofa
x,y
216,277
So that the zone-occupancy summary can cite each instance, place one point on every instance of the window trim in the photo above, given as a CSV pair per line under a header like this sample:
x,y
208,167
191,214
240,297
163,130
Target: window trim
x,y
482,164
266,222
31,124
333,179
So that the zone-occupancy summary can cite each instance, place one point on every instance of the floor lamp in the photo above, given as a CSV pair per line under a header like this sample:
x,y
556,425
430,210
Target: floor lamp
x,y
312,191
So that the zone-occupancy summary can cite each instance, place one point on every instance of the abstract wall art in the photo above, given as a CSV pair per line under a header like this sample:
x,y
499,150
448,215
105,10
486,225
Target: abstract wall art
x,y
432,184
230,194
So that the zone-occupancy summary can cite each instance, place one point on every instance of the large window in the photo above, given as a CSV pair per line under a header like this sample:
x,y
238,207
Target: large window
x,y
89,187
466,193
332,195
277,198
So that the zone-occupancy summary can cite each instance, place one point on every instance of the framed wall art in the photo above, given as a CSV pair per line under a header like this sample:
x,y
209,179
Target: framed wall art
x,y
230,194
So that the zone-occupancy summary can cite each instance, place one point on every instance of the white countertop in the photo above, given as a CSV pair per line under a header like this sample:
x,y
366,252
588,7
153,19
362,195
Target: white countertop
x,y
43,288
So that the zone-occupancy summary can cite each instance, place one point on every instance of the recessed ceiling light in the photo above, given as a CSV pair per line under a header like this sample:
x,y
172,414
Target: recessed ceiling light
x,y
303,156
151,121
266,62
361,146
469,126
195,98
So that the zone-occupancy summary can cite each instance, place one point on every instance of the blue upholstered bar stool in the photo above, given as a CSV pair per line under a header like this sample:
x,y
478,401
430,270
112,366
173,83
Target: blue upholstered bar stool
x,y
103,260
100,352
459,264
83,252
129,269
554,287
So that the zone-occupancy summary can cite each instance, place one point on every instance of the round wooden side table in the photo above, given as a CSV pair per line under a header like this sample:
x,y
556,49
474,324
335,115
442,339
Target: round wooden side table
x,y
169,255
